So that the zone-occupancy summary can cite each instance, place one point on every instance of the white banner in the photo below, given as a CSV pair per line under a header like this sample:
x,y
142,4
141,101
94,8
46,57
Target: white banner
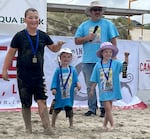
x,y
12,14
8,90
129,85
144,65
9,93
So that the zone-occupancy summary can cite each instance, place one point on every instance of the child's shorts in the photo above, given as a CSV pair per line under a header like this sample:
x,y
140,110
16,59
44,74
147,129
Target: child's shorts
x,y
68,110
27,90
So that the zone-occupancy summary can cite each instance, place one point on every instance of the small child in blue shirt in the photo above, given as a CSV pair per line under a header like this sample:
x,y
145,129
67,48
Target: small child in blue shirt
x,y
65,80
106,74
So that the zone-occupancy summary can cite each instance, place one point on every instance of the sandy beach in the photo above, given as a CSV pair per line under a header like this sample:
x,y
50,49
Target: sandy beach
x,y
130,124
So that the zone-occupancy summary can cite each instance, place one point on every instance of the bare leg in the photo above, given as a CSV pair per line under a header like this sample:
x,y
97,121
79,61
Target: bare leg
x,y
69,114
108,114
106,119
111,117
54,116
105,122
71,122
26,113
43,112
52,106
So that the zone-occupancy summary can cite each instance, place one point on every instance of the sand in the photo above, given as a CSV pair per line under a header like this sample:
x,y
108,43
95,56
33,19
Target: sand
x,y
130,124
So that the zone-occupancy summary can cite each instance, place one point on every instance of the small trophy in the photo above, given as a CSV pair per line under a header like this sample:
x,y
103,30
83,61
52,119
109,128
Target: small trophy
x,y
125,64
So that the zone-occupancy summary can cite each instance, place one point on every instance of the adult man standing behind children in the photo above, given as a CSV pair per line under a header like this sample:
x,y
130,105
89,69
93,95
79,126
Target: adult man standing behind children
x,y
91,33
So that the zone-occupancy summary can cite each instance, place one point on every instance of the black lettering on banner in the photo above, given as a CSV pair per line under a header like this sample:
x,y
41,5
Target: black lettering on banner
x,y
41,21
21,20
8,19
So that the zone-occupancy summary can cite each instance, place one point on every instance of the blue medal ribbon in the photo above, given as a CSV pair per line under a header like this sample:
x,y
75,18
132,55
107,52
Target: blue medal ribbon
x,y
34,49
65,84
106,76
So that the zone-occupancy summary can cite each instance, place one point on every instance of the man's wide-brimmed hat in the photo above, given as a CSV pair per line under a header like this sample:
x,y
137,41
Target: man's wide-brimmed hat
x,y
107,45
93,4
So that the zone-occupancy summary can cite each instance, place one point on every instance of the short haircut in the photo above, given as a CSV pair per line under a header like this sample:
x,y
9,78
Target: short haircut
x,y
29,9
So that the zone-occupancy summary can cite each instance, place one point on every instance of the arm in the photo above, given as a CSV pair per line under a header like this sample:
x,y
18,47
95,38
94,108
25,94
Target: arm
x,y
56,47
54,82
78,86
81,40
84,39
11,53
114,42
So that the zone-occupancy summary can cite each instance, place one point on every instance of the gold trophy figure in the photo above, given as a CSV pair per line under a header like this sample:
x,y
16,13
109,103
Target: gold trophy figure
x,y
125,65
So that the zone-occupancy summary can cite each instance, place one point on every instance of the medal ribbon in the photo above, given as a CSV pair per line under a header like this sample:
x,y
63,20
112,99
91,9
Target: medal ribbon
x,y
34,50
106,76
65,84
